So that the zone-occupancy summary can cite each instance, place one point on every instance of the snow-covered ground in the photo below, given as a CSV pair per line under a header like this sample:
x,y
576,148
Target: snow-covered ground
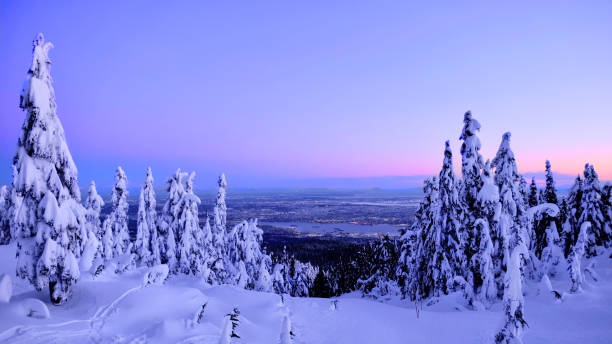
x,y
116,309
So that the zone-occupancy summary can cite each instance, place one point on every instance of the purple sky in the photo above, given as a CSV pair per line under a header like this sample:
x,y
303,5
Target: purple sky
x,y
287,90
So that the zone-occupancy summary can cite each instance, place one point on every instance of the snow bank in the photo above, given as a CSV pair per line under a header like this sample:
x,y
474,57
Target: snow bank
x,y
6,288
34,308
156,275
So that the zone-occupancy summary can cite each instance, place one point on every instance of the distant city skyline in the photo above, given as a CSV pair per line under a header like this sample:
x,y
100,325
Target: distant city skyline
x,y
283,91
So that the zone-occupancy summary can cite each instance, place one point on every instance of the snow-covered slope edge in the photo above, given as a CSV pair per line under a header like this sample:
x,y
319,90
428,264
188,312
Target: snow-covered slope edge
x,y
116,309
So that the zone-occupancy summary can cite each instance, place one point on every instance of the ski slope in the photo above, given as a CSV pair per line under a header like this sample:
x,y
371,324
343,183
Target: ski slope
x,y
117,309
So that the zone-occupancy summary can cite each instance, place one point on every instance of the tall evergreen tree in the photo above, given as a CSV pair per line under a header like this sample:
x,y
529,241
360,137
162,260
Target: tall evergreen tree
x,y
117,220
511,229
93,207
593,211
533,193
168,220
575,258
471,160
147,239
550,192
219,234
321,286
482,273
450,216
244,245
190,252
432,272
264,280
45,214
552,253
208,251
472,164
407,255
573,212
514,324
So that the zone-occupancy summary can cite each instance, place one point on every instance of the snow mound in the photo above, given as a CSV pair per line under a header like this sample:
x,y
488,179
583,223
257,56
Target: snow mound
x,y
6,288
35,308
156,275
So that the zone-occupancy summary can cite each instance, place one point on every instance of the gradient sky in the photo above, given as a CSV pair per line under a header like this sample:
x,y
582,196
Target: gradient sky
x,y
288,89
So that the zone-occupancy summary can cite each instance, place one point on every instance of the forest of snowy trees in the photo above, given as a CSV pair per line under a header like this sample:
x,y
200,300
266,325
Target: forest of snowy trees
x,y
483,234
487,233
59,238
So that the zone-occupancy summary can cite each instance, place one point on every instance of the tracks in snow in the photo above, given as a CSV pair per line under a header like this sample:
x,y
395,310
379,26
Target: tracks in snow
x,y
87,329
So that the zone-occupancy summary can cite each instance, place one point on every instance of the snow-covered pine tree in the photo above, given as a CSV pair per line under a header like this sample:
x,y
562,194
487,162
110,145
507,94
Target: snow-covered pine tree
x,y
108,242
511,229
550,192
219,234
533,193
432,271
407,251
5,228
514,321
573,211
253,254
168,220
298,285
450,216
575,258
278,279
45,214
304,277
471,160
147,242
264,280
483,273
593,211
244,245
117,220
566,234
241,278
190,252
472,164
552,254
321,286
380,277
208,252
93,225
93,207
171,250
439,247
482,267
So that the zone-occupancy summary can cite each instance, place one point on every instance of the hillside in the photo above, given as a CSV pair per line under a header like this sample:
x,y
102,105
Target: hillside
x,y
116,309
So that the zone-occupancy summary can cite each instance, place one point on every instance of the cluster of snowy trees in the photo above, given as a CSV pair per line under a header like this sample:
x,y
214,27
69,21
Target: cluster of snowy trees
x,y
58,238
377,267
487,232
